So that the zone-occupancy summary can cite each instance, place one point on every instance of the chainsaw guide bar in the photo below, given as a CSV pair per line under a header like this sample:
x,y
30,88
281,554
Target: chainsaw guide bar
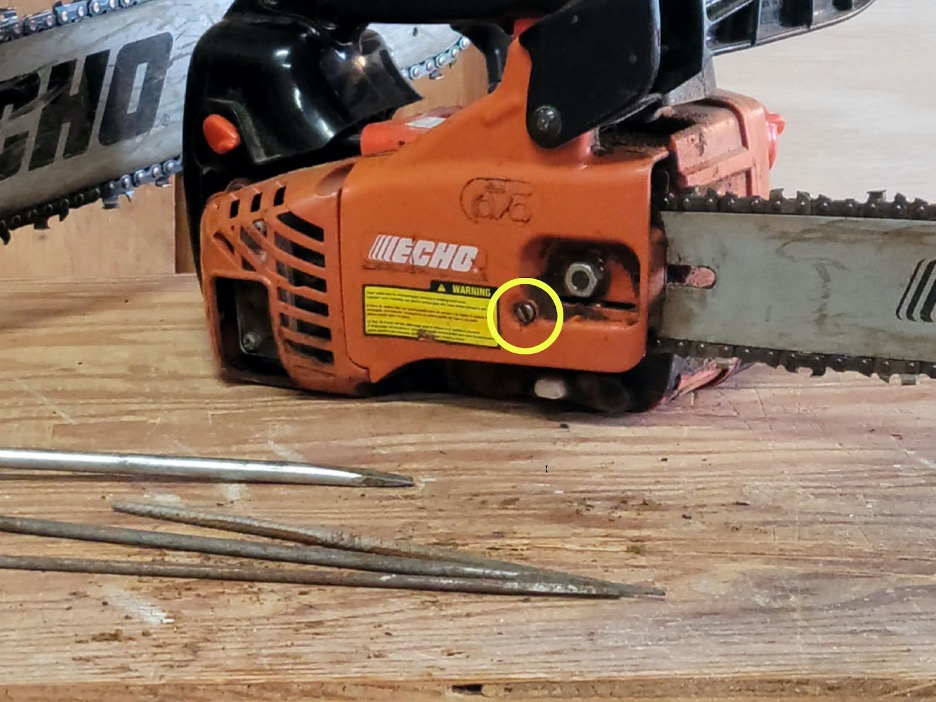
x,y
919,297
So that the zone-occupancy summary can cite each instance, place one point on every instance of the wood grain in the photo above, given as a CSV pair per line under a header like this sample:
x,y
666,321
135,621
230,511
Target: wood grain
x,y
789,518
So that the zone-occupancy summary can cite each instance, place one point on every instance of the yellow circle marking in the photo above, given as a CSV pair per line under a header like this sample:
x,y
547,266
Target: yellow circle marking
x,y
492,325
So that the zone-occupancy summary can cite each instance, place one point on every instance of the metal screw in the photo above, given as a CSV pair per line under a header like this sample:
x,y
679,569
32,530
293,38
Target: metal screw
x,y
547,121
525,312
582,279
251,341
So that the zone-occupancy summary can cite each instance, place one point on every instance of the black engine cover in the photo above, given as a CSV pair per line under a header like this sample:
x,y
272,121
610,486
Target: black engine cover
x,y
297,93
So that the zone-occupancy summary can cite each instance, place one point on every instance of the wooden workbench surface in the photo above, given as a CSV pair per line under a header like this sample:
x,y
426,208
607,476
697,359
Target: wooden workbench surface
x,y
791,520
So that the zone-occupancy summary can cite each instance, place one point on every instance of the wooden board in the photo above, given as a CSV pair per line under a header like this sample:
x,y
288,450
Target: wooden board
x,y
790,519
136,239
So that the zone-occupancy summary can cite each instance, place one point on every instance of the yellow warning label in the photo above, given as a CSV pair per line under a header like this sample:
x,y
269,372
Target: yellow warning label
x,y
448,313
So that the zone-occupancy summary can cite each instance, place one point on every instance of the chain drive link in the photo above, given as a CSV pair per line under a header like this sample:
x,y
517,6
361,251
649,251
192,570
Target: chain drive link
x,y
876,206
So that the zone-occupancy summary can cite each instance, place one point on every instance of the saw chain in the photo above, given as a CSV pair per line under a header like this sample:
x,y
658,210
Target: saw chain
x,y
108,192
65,14
876,206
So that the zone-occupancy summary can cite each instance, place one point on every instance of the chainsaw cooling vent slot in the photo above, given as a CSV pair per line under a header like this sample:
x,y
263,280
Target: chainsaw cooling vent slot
x,y
303,280
280,197
300,225
304,311
320,355
299,251
306,328
304,303
249,241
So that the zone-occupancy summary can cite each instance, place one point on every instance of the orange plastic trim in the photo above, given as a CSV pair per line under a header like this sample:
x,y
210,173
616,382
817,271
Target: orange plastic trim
x,y
383,137
776,125
222,136
521,25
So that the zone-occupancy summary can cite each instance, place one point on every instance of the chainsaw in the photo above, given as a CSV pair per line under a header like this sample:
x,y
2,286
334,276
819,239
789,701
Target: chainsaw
x,y
92,94
598,230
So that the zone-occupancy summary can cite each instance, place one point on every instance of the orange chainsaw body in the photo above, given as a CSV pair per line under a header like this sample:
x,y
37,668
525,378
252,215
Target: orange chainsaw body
x,y
353,272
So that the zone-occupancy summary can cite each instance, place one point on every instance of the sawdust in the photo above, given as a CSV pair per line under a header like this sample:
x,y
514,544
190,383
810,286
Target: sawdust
x,y
115,635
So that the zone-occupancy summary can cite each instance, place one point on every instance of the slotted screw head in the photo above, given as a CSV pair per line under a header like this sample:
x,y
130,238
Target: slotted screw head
x,y
525,312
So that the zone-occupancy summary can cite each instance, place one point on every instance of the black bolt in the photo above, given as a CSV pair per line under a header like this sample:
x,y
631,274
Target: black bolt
x,y
525,312
547,121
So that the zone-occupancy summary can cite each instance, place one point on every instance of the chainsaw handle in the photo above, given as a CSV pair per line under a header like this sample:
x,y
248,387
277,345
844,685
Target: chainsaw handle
x,y
597,61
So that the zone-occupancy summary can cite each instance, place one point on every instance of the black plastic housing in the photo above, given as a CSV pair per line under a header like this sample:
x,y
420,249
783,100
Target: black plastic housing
x,y
595,60
297,94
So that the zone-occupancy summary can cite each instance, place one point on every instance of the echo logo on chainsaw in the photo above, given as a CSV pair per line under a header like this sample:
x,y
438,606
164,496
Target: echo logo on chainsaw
x,y
424,254
492,199
918,303
72,100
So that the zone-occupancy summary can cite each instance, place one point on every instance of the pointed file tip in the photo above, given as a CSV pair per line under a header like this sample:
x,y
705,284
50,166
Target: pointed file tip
x,y
384,480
